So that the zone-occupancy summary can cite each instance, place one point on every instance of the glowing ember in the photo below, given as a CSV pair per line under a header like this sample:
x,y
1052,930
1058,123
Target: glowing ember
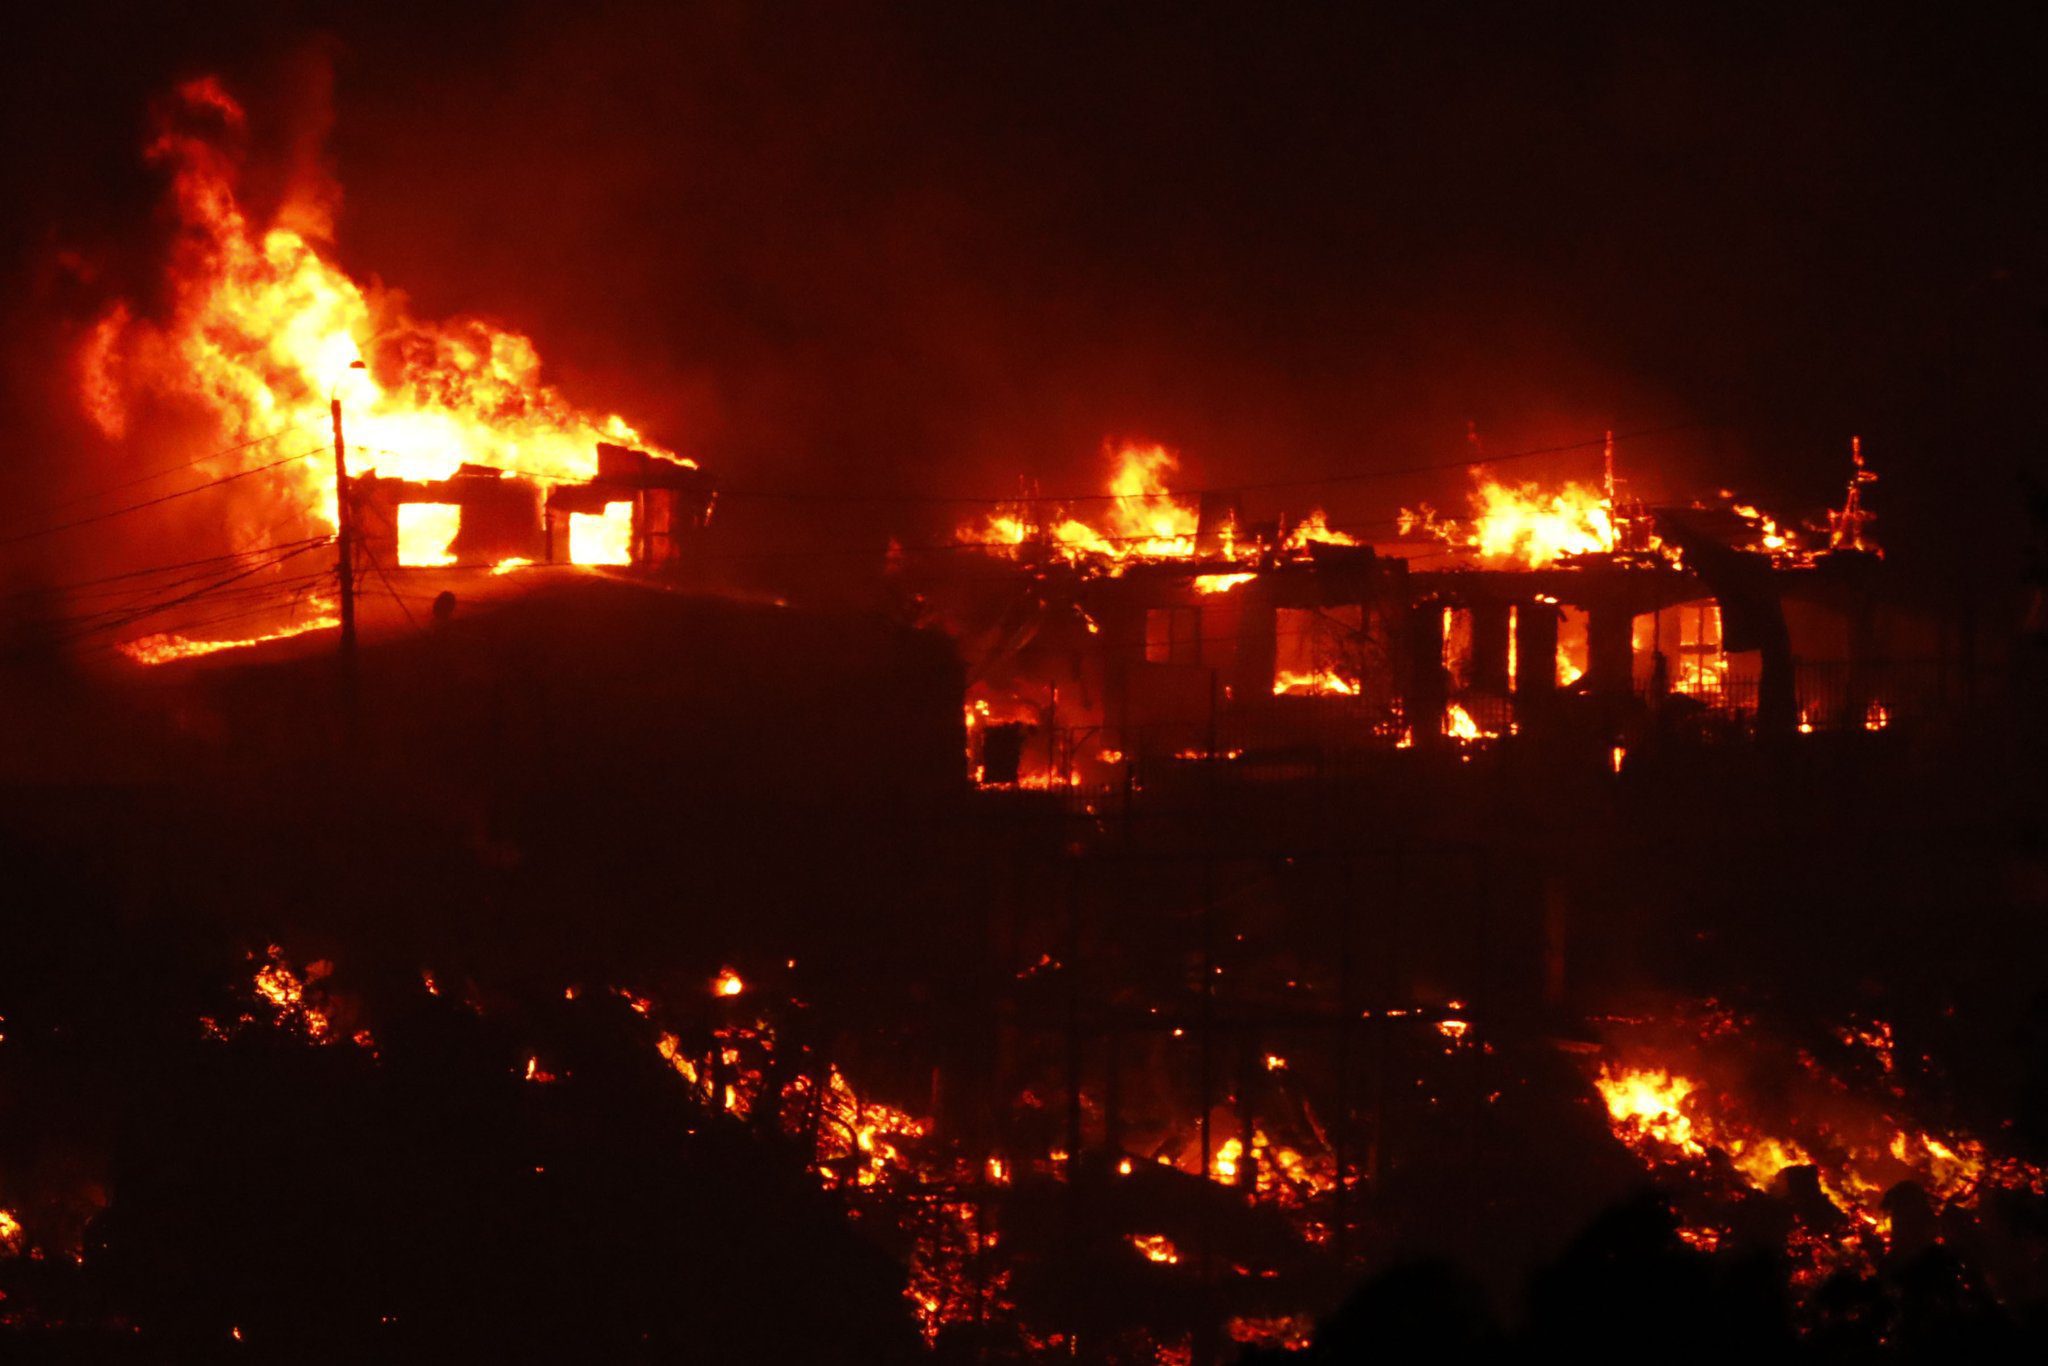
x,y
1155,1247
1287,1333
285,991
1220,583
1854,1148
727,983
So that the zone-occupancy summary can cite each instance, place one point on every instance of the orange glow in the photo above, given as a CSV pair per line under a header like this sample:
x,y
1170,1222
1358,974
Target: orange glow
x,y
727,983
284,990
1156,1247
1220,583
602,538
1649,1105
1574,645
1287,683
1856,1148
1876,717
425,532
259,328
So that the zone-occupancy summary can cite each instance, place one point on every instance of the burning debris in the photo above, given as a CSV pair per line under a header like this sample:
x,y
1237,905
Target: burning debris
x,y
1826,1159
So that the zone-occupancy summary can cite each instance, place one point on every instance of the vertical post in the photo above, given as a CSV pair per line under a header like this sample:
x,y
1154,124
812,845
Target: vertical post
x,y
1205,1345
1341,1120
344,536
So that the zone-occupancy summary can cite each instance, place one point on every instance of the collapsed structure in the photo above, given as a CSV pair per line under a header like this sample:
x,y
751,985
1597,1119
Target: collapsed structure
x,y
1177,630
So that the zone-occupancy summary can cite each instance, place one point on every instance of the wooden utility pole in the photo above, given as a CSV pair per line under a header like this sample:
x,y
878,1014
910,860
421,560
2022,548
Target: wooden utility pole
x,y
343,540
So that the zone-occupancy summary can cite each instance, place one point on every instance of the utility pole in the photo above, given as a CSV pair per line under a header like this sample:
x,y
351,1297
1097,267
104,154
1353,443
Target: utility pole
x,y
343,540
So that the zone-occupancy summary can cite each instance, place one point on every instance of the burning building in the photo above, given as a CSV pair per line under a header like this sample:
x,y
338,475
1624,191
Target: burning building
x,y
1172,628
418,445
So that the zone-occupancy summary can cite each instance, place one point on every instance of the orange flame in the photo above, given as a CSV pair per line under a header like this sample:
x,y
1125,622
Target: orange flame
x,y
1156,1247
261,329
167,646
1141,520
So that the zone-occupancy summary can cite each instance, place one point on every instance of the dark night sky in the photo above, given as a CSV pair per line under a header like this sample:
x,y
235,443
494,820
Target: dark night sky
x,y
934,246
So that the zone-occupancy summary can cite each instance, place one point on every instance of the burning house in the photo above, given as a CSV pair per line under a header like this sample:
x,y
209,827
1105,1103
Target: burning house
x,y
637,509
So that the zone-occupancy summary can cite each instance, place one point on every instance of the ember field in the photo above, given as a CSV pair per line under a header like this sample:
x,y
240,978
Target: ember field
x,y
928,1082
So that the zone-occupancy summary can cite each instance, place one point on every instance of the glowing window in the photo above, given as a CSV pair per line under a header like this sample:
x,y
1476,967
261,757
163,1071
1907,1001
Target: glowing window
x,y
602,538
426,533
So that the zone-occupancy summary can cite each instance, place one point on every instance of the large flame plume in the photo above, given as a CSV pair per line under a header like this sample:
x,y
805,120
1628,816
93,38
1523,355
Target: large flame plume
x,y
260,330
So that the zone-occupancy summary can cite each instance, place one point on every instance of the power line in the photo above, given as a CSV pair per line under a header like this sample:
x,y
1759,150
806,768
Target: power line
x,y
130,618
118,619
153,502
173,469
391,587
1314,481
44,590
104,649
